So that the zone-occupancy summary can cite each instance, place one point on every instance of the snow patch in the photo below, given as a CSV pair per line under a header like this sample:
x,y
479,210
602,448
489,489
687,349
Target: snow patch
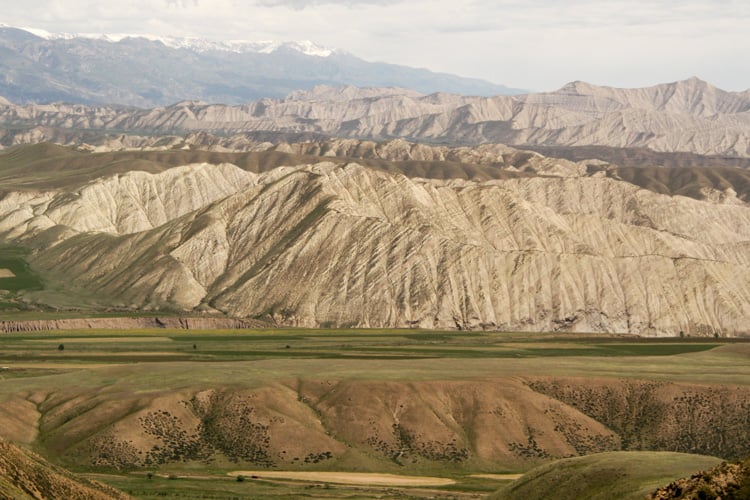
x,y
195,44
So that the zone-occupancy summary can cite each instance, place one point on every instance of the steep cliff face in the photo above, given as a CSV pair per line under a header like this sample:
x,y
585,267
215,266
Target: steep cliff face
x,y
328,244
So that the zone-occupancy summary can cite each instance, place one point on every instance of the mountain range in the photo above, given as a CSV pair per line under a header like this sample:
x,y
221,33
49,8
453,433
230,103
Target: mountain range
x,y
686,116
147,71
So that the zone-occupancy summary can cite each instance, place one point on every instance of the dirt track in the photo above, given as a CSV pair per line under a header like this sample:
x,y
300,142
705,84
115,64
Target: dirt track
x,y
358,478
498,477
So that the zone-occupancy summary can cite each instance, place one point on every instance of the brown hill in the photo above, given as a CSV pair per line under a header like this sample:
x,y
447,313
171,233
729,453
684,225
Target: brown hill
x,y
603,476
474,424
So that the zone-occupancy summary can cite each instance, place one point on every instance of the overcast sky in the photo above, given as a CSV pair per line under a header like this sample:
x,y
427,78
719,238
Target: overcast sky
x,y
531,44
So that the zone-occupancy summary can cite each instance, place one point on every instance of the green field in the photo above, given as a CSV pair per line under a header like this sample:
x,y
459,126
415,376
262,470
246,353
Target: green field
x,y
274,354
294,345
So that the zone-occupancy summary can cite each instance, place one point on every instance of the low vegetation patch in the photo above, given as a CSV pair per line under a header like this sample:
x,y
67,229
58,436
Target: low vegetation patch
x,y
16,274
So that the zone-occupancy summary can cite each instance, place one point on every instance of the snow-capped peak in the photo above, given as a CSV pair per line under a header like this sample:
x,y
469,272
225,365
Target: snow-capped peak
x,y
195,44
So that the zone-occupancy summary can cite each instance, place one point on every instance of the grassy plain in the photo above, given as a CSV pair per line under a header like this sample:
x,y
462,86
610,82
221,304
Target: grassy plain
x,y
163,360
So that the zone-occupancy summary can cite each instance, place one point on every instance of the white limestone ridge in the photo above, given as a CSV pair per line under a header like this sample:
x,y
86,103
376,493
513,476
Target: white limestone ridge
x,y
195,44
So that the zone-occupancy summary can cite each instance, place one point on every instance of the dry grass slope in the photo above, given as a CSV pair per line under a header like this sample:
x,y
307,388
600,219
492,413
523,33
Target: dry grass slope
x,y
390,425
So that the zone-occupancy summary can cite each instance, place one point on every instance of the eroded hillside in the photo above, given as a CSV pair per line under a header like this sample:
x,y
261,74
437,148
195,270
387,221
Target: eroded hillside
x,y
543,245
690,116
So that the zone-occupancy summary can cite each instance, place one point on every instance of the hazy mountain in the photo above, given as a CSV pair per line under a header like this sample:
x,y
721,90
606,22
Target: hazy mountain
x,y
547,245
151,71
688,116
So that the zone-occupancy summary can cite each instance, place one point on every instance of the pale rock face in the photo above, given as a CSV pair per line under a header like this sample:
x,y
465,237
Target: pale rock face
x,y
138,201
327,244
19,213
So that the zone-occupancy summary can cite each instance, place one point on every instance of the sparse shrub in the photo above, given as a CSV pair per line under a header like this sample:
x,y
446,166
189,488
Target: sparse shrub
x,y
149,475
61,347
240,478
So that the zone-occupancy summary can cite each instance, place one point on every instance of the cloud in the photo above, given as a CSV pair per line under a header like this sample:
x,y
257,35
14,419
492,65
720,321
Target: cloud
x,y
303,4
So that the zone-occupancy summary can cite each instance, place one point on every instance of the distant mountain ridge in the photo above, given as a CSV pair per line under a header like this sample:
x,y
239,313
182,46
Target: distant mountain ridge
x,y
686,116
148,71
192,43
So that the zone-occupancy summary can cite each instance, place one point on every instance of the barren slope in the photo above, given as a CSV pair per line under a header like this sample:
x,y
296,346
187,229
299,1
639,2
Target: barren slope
x,y
328,244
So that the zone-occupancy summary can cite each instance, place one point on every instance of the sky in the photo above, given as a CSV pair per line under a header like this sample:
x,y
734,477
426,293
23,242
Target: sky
x,y
536,45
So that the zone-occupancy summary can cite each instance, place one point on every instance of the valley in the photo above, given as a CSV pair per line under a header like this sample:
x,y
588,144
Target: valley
x,y
190,408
